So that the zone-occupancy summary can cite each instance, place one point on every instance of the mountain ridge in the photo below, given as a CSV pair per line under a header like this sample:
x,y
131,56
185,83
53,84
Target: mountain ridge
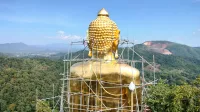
x,y
172,48
162,47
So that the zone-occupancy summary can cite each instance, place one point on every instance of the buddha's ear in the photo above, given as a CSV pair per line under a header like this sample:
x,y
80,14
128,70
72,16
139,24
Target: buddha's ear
x,y
116,42
116,54
117,33
90,53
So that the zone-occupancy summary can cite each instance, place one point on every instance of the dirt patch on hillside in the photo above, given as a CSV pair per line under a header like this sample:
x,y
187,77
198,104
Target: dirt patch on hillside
x,y
158,47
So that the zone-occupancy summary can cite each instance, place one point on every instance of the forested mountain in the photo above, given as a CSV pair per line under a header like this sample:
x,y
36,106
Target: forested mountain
x,y
19,79
176,69
173,48
17,47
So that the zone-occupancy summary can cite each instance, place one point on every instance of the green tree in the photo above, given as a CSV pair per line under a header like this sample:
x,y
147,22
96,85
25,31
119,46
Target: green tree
x,y
184,98
42,106
159,97
177,98
19,79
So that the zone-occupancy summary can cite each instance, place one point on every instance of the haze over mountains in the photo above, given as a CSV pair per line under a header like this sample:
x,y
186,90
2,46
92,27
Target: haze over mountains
x,y
22,49
163,47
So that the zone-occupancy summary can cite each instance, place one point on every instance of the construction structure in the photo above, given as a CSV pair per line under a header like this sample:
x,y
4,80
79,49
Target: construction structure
x,y
107,80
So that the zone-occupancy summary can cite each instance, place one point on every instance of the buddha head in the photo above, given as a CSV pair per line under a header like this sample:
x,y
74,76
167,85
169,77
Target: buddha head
x,y
103,35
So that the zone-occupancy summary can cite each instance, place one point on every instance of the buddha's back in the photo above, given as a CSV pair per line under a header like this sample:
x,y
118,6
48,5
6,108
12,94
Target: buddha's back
x,y
101,84
107,80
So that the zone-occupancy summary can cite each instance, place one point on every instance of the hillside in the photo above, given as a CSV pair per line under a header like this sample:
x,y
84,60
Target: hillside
x,y
171,48
14,47
158,46
176,69
19,79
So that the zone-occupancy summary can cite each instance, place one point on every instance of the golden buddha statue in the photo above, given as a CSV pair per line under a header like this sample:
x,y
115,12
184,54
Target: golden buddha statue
x,y
103,81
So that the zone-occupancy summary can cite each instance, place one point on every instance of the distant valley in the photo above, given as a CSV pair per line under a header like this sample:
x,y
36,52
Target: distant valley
x,y
21,49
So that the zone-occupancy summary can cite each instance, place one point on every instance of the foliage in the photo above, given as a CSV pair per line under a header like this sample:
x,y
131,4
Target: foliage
x,y
176,69
159,97
43,106
19,79
184,50
180,50
176,98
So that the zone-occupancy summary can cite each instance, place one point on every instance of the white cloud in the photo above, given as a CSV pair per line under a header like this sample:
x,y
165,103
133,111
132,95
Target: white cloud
x,y
196,32
63,36
61,32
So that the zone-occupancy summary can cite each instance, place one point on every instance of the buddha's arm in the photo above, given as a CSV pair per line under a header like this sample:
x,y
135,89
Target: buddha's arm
x,y
133,75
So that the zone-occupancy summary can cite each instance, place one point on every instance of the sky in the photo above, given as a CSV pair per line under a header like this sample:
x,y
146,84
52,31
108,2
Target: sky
x,y
40,22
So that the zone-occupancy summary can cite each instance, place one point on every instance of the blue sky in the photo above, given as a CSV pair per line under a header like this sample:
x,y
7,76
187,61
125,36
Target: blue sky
x,y
61,21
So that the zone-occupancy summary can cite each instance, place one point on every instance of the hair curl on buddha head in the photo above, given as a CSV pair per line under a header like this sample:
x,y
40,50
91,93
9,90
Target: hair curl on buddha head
x,y
103,34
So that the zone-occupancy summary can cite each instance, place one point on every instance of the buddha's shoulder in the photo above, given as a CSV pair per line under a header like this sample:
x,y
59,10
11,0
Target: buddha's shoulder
x,y
126,67
117,67
79,66
129,70
86,69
